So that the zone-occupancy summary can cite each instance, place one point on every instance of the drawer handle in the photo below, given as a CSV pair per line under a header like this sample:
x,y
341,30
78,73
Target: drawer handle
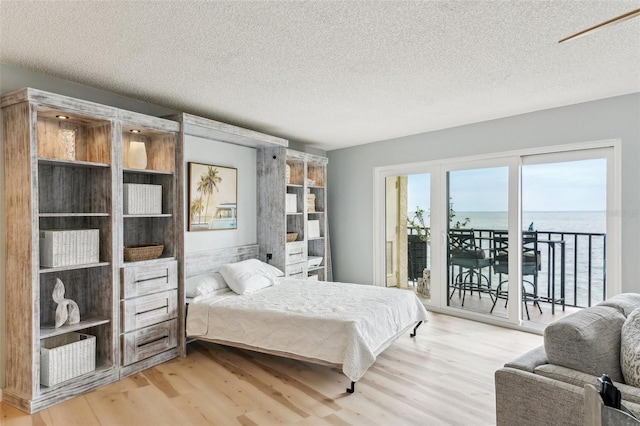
x,y
151,342
162,309
296,252
154,275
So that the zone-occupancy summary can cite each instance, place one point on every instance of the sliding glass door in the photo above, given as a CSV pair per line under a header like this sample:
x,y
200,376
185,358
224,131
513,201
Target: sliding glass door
x,y
565,200
478,209
516,238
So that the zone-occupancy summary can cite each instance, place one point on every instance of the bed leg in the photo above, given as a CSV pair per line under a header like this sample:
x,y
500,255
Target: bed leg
x,y
414,329
352,388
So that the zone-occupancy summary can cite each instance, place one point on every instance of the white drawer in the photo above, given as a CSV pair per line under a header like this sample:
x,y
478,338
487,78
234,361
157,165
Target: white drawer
x,y
147,310
295,252
296,271
147,279
149,341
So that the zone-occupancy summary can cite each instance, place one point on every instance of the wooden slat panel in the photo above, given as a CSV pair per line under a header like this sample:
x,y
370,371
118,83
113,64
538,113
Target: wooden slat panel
x,y
67,103
151,124
215,130
204,262
22,297
59,102
271,205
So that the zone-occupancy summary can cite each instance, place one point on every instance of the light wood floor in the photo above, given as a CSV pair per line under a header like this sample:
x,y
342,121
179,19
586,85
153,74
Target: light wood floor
x,y
444,376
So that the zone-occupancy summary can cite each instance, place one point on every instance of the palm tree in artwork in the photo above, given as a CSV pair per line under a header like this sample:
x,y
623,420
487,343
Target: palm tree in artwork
x,y
208,182
197,207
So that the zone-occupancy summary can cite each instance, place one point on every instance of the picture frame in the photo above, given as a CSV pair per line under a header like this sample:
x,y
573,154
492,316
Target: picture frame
x,y
213,197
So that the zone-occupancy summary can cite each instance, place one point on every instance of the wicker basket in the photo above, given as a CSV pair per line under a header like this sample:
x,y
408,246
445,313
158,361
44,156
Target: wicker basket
x,y
66,356
138,253
291,236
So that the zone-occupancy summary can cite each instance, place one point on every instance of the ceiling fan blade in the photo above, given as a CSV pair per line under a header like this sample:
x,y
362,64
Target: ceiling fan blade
x,y
615,20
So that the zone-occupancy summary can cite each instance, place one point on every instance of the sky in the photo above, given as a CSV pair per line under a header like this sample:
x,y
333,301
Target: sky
x,y
568,186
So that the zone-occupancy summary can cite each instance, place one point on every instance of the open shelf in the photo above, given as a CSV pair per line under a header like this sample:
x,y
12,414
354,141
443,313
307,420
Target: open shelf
x,y
146,215
161,259
146,171
74,214
50,331
73,267
70,163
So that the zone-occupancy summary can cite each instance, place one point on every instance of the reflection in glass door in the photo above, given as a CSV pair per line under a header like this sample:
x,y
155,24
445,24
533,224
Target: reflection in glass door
x,y
478,212
408,233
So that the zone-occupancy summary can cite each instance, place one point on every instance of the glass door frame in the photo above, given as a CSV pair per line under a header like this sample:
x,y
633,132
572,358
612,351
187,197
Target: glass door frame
x,y
379,220
438,168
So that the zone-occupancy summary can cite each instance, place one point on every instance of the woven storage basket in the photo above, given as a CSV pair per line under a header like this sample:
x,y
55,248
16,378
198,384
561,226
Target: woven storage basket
x,y
138,253
292,236
66,356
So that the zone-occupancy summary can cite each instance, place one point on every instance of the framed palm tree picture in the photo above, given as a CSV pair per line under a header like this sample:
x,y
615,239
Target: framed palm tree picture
x,y
213,195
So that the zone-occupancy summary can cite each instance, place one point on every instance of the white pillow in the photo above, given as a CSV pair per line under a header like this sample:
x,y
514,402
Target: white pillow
x,y
204,284
249,275
630,349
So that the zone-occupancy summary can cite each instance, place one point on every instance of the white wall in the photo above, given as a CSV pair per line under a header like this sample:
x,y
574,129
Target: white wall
x,y
206,151
351,171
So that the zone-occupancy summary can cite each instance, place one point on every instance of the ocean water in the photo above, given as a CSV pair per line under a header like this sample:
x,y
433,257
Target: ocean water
x,y
584,255
578,221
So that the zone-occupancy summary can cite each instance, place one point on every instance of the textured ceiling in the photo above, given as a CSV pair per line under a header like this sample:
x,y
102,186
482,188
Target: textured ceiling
x,y
332,74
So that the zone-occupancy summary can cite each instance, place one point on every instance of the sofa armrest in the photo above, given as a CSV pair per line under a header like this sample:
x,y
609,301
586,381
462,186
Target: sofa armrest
x,y
529,360
526,399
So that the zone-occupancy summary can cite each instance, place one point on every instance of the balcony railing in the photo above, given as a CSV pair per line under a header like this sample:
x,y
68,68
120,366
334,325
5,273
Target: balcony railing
x,y
573,260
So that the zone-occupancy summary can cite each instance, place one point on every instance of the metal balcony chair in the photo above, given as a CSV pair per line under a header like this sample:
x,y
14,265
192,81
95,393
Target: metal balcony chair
x,y
470,259
530,267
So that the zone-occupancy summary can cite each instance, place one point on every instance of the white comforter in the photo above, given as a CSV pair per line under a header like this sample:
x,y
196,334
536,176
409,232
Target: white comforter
x,y
346,324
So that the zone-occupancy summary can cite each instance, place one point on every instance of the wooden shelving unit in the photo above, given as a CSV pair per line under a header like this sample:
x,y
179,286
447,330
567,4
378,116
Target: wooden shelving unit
x,y
65,167
306,176
149,342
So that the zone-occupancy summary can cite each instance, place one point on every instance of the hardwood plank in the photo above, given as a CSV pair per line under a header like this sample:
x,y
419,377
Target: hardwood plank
x,y
74,412
306,401
217,385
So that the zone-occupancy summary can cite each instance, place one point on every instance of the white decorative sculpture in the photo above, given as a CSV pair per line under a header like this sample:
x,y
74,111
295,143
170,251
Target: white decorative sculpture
x,y
67,311
424,283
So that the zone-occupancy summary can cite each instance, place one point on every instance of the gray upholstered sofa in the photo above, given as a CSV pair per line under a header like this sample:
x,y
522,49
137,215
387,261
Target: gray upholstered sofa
x,y
546,385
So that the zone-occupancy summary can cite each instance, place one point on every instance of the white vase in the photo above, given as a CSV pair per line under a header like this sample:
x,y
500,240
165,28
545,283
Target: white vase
x,y
137,155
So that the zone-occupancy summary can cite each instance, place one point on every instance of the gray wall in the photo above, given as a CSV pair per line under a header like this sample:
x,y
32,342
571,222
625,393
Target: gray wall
x,y
351,171
196,149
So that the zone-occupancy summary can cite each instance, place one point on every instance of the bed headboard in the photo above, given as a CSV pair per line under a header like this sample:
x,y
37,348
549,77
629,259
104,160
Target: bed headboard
x,y
204,262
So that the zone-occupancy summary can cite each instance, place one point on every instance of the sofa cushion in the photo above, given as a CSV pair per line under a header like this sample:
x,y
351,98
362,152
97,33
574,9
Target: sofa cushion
x,y
630,349
624,302
587,341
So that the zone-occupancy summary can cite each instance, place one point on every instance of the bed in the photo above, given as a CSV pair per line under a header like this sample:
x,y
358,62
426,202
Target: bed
x,y
337,324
